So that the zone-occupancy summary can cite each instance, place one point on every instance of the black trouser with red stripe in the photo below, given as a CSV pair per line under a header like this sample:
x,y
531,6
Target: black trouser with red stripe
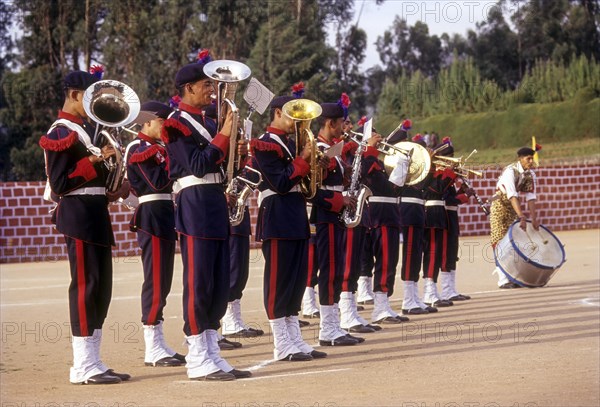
x,y
158,256
353,242
367,261
385,243
432,252
412,252
313,265
239,261
285,276
450,243
330,254
90,290
205,283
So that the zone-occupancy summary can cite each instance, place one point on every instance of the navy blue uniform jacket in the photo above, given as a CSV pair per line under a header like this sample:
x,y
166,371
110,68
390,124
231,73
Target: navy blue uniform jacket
x,y
83,217
201,209
283,215
147,173
328,204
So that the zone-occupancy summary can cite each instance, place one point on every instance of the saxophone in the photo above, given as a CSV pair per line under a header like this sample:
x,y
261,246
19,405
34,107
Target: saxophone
x,y
351,218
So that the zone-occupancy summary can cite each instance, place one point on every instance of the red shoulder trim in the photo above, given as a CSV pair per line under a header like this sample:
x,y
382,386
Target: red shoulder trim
x,y
374,167
59,145
173,128
264,146
150,152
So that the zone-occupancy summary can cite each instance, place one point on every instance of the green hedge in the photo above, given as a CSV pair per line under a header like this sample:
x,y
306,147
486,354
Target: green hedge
x,y
552,122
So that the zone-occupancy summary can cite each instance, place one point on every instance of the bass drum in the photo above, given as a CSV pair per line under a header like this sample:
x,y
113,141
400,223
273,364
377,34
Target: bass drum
x,y
529,258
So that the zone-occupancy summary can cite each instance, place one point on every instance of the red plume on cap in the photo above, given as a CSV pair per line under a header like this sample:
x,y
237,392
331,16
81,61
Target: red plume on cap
x,y
204,56
344,102
97,71
417,137
538,147
447,140
298,90
406,124
174,101
362,121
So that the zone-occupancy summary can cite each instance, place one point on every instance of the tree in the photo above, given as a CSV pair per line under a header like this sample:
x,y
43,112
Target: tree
x,y
495,50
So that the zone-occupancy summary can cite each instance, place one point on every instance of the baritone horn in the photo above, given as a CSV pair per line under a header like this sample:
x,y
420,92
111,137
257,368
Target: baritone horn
x,y
228,74
302,112
112,105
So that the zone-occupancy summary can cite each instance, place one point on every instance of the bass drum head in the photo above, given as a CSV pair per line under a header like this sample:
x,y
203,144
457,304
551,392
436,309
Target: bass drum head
x,y
529,258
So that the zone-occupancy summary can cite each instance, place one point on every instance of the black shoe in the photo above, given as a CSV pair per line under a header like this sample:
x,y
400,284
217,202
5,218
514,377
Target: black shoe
x,y
359,339
297,357
318,354
361,329
102,378
169,361
179,357
440,304
510,285
460,297
341,341
314,315
225,344
374,327
415,311
240,374
360,308
123,376
303,323
259,332
402,319
388,320
244,333
219,376
367,302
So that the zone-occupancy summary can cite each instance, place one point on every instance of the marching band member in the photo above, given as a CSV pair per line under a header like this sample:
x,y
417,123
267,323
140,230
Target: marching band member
x,y
154,222
195,152
283,228
77,178
328,204
309,302
506,207
354,243
382,217
435,224
453,198
412,209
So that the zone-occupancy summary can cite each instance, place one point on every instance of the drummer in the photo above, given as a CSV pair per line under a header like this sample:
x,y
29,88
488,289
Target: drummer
x,y
506,207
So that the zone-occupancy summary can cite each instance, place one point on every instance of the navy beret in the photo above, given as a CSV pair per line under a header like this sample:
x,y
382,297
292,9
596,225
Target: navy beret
x,y
398,136
279,101
79,80
159,109
332,110
189,73
525,151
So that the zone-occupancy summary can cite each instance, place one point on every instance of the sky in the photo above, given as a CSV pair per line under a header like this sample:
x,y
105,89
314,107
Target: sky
x,y
440,16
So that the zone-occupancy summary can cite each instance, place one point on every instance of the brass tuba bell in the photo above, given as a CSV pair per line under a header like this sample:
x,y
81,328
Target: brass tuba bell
x,y
302,112
113,105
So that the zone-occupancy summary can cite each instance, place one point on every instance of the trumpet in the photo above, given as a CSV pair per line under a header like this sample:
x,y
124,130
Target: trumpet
x,y
113,105
302,112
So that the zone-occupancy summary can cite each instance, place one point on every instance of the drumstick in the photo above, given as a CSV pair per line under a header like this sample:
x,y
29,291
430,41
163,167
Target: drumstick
x,y
533,245
544,241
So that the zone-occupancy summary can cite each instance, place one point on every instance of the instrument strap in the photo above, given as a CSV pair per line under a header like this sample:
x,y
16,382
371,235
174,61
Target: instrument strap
x,y
279,141
199,127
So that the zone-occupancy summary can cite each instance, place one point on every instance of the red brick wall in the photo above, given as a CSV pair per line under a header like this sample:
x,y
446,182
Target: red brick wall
x,y
568,199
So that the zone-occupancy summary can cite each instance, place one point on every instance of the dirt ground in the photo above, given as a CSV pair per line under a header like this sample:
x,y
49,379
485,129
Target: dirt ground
x,y
518,348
